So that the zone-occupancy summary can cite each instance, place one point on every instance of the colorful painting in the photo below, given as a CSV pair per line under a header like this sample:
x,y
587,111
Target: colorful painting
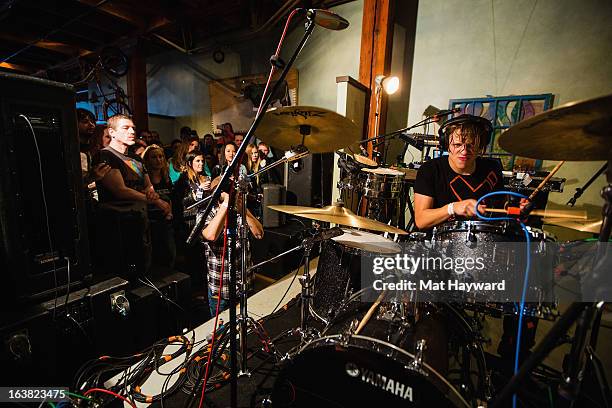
x,y
504,112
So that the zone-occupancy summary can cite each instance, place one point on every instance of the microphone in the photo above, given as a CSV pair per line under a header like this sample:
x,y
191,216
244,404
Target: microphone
x,y
327,19
446,112
326,234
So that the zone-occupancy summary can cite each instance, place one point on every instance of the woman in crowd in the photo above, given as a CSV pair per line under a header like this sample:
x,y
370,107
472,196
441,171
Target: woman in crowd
x,y
177,163
253,165
192,185
162,231
229,151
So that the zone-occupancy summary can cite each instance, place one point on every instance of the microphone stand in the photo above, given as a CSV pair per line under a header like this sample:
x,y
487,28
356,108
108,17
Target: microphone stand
x,y
231,214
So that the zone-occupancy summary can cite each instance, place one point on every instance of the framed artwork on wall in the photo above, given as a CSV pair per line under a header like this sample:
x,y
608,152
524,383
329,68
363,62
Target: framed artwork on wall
x,y
504,112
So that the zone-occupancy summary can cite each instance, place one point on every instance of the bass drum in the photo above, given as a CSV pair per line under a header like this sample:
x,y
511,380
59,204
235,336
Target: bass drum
x,y
409,355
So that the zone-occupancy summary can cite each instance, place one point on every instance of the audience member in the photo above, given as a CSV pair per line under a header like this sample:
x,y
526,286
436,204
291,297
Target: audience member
x,y
253,165
238,138
208,144
215,254
162,231
155,139
177,163
185,132
127,179
227,133
229,151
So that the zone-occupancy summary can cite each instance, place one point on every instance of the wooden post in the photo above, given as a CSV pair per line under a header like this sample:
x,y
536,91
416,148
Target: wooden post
x,y
375,56
137,88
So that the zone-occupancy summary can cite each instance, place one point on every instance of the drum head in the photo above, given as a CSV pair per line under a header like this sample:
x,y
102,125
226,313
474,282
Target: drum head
x,y
327,373
384,171
367,241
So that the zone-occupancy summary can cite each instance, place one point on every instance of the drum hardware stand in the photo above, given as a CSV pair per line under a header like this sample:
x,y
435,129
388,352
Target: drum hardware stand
x,y
305,332
585,315
232,168
580,191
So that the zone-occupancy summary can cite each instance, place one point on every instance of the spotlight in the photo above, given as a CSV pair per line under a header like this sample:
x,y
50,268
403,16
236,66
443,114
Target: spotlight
x,y
389,83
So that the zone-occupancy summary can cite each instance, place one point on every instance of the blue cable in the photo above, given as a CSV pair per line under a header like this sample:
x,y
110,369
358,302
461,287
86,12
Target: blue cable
x,y
525,279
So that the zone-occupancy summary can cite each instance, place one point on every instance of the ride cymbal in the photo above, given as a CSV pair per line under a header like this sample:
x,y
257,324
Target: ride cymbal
x,y
320,130
577,131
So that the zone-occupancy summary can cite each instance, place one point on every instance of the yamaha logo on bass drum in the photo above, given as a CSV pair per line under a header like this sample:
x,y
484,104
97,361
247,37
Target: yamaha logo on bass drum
x,y
380,381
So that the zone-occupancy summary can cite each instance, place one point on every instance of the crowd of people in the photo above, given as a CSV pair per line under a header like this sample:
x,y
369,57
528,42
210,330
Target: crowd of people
x,y
129,174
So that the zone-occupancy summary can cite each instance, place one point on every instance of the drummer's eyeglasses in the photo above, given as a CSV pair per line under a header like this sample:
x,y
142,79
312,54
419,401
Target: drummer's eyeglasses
x,y
468,147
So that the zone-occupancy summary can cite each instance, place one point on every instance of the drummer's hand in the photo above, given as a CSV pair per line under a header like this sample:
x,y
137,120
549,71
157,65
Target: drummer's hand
x,y
523,203
224,198
466,208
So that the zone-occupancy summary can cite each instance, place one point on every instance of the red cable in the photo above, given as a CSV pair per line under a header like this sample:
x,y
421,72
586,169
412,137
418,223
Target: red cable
x,y
214,334
110,393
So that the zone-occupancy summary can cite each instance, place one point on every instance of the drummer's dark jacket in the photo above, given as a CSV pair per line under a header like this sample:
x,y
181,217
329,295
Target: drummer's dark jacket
x,y
437,179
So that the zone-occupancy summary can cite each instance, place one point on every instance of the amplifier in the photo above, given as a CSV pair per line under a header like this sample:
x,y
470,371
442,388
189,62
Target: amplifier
x,y
46,343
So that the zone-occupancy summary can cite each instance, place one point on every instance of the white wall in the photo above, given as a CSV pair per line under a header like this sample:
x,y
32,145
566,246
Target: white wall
x,y
497,47
177,85
327,55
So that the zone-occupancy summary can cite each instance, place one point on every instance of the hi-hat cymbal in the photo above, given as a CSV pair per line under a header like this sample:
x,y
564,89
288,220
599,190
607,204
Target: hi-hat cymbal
x,y
592,226
577,131
327,131
337,214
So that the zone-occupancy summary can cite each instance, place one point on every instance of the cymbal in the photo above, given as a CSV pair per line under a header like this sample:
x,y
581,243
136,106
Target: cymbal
x,y
337,214
592,226
329,131
364,160
577,131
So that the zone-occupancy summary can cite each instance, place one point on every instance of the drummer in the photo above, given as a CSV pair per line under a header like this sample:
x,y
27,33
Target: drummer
x,y
447,187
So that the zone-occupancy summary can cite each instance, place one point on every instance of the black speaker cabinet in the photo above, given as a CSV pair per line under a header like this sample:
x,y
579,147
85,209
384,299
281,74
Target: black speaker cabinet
x,y
309,180
42,218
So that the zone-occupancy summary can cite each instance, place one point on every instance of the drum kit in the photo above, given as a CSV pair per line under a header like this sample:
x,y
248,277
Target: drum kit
x,y
397,351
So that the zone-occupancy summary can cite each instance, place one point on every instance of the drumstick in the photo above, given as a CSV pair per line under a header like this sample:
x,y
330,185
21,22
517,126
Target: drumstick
x,y
371,310
552,172
577,215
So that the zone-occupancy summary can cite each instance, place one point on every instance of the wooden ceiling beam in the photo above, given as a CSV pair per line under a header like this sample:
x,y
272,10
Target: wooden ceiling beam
x,y
17,67
122,12
60,47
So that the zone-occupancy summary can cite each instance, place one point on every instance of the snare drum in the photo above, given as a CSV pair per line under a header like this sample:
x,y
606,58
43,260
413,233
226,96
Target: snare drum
x,y
339,268
498,245
382,183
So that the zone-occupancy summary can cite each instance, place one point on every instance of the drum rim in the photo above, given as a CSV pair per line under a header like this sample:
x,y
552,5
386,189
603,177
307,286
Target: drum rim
x,y
346,341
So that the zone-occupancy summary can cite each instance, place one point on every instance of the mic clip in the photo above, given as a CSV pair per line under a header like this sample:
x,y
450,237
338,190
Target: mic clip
x,y
277,62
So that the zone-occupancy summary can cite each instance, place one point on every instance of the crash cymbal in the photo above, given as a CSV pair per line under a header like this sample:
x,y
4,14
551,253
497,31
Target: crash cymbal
x,y
591,226
336,214
326,131
577,131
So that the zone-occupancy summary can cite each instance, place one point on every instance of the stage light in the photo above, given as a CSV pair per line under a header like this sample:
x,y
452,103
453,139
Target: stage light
x,y
389,83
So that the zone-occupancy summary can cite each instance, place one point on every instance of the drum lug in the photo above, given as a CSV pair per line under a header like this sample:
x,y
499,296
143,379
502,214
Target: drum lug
x,y
417,363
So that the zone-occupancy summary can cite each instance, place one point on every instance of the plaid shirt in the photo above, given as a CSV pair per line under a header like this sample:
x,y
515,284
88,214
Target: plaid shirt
x,y
213,250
